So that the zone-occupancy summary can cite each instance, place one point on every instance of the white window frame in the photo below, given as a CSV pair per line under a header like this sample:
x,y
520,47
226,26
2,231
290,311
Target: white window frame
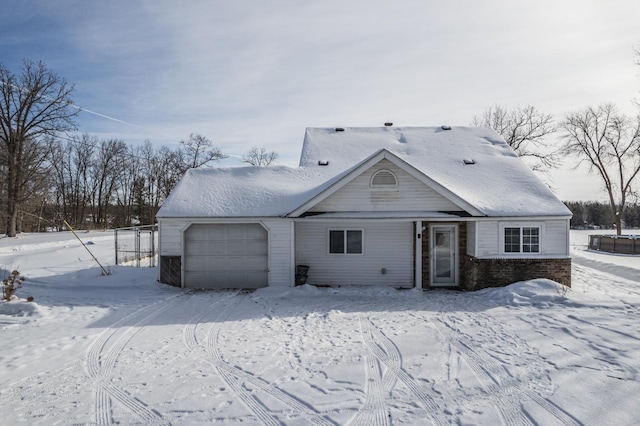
x,y
521,226
345,233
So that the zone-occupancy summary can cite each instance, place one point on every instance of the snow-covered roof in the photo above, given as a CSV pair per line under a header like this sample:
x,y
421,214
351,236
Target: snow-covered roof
x,y
242,191
498,183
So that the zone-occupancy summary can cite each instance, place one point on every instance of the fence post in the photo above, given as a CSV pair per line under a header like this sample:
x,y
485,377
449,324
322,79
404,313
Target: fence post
x,y
115,232
153,247
137,246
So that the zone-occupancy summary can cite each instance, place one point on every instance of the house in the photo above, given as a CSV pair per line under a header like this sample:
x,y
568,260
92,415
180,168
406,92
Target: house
x,y
393,206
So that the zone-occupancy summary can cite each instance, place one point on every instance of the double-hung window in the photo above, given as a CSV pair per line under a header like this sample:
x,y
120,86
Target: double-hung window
x,y
345,241
522,239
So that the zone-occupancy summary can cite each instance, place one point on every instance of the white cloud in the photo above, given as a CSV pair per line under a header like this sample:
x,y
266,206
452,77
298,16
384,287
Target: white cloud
x,y
256,73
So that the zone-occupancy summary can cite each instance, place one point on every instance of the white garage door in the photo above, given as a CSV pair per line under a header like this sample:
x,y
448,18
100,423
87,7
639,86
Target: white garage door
x,y
226,256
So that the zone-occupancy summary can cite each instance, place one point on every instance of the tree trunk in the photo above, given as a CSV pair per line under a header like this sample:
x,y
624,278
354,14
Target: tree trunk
x,y
618,219
12,196
12,217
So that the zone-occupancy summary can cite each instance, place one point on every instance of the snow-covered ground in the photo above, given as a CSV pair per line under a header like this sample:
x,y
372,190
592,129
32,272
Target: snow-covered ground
x,y
124,349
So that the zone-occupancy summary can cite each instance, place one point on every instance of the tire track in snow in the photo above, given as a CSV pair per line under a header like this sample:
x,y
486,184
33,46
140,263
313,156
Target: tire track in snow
x,y
191,340
508,392
237,378
373,411
101,358
387,353
393,359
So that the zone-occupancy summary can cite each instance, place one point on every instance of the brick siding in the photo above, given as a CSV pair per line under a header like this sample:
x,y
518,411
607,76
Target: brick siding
x,y
482,273
475,273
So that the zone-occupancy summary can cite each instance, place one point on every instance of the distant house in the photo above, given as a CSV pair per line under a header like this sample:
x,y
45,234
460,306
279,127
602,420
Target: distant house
x,y
404,207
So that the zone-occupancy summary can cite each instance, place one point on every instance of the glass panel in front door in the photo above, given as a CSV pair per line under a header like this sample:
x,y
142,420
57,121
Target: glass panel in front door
x,y
443,256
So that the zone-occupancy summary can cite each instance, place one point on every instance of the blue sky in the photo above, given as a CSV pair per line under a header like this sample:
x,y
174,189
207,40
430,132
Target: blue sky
x,y
252,72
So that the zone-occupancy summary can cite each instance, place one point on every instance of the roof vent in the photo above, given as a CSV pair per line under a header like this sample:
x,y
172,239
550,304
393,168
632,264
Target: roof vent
x,y
384,178
323,163
445,127
339,129
388,124
469,161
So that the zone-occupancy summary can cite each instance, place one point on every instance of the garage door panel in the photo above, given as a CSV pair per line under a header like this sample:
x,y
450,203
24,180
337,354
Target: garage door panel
x,y
256,277
216,233
254,247
211,264
223,263
235,248
256,232
195,247
241,248
226,256
198,263
259,263
237,232
235,263
198,248
226,279
197,233
199,280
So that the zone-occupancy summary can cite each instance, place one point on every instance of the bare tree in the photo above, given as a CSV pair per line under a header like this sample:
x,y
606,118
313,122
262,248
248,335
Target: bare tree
x,y
130,165
71,164
199,151
524,129
609,143
636,51
147,181
106,170
34,107
259,156
159,172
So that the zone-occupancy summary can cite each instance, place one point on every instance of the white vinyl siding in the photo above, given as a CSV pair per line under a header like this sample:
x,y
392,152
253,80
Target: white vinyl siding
x,y
556,237
488,236
471,238
170,236
553,239
388,246
409,195
281,268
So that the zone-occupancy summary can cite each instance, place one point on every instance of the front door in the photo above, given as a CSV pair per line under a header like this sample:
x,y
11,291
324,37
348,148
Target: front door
x,y
444,256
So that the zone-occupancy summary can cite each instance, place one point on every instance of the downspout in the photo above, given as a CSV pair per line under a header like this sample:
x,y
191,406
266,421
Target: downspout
x,y
292,270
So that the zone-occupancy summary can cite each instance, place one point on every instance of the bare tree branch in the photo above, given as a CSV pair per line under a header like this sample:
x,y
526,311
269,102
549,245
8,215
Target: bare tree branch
x,y
609,143
199,151
525,130
34,107
259,157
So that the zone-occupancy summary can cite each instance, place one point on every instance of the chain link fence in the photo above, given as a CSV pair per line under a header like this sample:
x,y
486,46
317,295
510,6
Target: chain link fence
x,y
136,246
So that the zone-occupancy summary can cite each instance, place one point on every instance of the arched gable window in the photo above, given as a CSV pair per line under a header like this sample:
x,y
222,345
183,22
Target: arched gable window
x,y
384,178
